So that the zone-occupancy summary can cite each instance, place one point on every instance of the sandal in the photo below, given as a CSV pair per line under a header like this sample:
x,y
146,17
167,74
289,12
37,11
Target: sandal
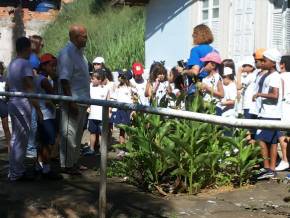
x,y
82,167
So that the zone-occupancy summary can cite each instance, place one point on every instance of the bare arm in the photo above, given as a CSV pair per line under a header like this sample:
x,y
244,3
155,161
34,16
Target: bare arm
x,y
46,85
194,71
228,103
219,93
148,90
239,78
65,87
220,90
272,94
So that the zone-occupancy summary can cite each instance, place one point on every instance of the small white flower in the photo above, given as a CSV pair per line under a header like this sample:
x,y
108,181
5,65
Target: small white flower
x,y
236,150
228,153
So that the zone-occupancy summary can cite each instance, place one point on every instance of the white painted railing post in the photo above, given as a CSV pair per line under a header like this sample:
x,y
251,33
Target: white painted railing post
x,y
103,166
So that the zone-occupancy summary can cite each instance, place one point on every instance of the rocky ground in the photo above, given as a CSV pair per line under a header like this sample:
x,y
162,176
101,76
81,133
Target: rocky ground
x,y
78,197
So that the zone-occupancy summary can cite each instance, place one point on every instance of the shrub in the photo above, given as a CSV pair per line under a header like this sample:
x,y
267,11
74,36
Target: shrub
x,y
117,34
178,155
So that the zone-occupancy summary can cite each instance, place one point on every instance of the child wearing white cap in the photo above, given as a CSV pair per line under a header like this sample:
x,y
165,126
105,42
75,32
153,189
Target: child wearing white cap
x,y
284,139
271,96
226,107
261,75
139,84
245,84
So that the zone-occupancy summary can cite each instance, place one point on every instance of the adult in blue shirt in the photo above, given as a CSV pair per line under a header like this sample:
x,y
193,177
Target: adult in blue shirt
x,y
36,46
202,38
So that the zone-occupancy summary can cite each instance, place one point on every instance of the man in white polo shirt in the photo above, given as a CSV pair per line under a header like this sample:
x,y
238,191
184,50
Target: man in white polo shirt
x,y
74,81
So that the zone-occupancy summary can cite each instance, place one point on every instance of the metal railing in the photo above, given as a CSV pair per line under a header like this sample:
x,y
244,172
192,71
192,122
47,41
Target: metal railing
x,y
242,123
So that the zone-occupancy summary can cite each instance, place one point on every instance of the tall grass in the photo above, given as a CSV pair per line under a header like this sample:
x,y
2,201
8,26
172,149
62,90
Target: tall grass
x,y
117,34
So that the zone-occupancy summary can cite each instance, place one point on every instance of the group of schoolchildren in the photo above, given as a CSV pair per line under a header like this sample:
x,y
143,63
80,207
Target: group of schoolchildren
x,y
259,90
256,89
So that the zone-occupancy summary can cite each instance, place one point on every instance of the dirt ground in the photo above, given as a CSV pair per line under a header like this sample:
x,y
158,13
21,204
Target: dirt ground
x,y
78,197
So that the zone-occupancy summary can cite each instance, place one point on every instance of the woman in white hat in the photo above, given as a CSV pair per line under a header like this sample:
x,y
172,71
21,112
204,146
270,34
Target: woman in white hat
x,y
99,63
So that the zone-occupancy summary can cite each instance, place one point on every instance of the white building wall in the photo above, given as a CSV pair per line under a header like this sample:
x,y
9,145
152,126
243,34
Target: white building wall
x,y
263,20
245,25
168,31
225,30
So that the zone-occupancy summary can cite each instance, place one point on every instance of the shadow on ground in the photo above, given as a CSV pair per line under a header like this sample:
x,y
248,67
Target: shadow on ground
x,y
78,197
74,196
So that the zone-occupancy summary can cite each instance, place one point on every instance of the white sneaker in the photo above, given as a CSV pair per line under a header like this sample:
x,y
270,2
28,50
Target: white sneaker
x,y
283,165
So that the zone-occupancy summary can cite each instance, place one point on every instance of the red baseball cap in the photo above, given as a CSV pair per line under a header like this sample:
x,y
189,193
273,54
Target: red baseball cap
x,y
137,69
45,58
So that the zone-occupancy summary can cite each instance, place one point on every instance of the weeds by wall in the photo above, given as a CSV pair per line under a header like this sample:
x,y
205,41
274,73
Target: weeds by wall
x,y
117,34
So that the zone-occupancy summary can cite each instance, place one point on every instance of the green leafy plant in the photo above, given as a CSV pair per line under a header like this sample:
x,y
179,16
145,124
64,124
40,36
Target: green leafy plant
x,y
243,157
177,155
117,34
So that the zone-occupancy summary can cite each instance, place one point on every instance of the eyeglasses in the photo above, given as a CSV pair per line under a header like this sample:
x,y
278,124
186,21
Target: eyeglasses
x,y
97,64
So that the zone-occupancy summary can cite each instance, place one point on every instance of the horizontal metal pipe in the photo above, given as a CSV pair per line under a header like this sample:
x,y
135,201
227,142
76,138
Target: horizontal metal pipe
x,y
231,122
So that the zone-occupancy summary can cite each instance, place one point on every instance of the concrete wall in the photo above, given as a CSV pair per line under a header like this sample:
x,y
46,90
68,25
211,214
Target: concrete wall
x,y
34,23
5,40
168,31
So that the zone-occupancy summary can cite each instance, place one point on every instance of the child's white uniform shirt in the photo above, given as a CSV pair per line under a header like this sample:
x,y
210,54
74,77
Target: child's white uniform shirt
x,y
212,82
271,108
230,93
161,90
285,115
248,84
112,87
139,89
101,93
256,105
2,87
123,94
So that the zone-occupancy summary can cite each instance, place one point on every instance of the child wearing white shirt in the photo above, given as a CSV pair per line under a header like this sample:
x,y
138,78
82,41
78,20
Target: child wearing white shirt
x,y
245,83
98,90
212,86
261,75
157,84
139,85
226,107
285,75
271,96
176,88
123,93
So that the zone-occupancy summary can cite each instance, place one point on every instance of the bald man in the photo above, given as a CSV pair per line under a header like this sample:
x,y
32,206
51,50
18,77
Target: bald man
x,y
74,81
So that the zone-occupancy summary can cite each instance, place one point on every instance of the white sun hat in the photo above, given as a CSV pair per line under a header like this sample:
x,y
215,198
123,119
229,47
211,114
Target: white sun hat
x,y
227,71
273,54
99,60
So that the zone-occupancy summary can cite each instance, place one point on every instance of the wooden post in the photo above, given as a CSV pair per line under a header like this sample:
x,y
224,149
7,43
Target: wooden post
x,y
103,166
